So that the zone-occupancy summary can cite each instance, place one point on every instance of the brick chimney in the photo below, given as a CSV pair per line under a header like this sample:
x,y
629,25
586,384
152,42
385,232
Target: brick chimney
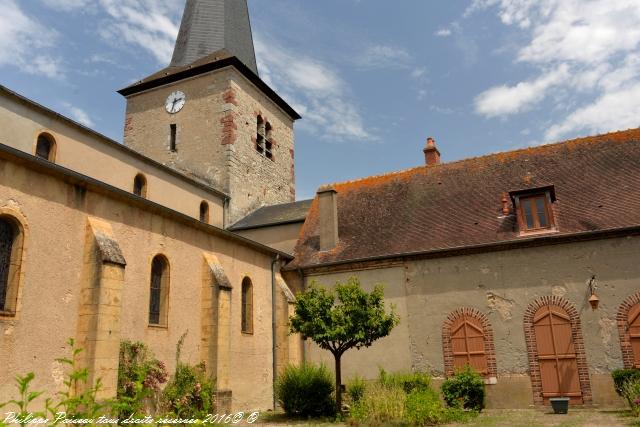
x,y
328,217
431,153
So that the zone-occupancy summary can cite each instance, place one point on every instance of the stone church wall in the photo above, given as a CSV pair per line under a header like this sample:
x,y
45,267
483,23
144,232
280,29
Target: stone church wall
x,y
501,285
56,210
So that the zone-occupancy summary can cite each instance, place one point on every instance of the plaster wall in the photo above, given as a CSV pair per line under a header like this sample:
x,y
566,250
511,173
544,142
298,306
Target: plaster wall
x,y
502,285
99,158
55,213
281,237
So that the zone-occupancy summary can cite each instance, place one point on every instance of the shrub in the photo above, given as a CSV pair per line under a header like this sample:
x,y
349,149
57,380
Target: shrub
x,y
189,393
140,376
631,392
424,407
407,381
621,376
306,390
355,388
465,390
380,405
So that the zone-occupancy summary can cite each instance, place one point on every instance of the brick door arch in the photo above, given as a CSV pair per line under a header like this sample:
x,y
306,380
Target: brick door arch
x,y
545,312
467,336
628,320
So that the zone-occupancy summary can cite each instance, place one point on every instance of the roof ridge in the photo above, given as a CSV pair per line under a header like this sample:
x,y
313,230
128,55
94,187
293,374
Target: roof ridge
x,y
497,153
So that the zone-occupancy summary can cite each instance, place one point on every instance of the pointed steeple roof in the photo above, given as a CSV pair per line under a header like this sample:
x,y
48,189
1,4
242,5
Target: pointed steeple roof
x,y
211,25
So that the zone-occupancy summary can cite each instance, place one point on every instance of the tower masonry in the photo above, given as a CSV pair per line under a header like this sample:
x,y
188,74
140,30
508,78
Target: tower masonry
x,y
213,118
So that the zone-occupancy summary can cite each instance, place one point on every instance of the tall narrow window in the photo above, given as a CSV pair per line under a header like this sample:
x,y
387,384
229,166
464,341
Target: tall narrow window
x,y
140,185
247,306
204,212
10,259
46,147
158,300
268,145
260,135
173,130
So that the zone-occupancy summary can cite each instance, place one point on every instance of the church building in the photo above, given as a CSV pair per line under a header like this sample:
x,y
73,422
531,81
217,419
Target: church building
x,y
521,264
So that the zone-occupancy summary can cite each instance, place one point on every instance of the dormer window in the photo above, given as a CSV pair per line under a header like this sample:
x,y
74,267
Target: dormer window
x,y
534,209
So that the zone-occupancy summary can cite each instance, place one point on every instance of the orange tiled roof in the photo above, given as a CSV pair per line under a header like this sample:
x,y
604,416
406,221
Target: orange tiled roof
x,y
458,204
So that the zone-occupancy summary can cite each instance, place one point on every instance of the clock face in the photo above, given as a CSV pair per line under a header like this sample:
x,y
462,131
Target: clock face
x,y
175,102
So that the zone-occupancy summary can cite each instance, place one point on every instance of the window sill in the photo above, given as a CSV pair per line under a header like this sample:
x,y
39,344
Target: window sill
x,y
527,233
247,334
7,314
160,327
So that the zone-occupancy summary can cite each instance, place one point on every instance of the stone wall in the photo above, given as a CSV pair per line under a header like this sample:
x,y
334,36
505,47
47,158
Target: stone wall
x,y
62,282
216,138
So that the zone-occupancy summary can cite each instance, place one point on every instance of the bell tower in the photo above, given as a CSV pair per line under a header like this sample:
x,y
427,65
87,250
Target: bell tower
x,y
210,116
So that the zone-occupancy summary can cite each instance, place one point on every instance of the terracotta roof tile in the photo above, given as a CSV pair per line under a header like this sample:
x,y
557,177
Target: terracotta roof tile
x,y
458,204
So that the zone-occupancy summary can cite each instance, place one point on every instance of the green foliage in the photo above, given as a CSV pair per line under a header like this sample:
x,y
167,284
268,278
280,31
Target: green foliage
x,y
407,381
424,407
306,390
342,318
189,393
465,390
78,400
27,396
355,388
621,376
380,405
631,392
140,376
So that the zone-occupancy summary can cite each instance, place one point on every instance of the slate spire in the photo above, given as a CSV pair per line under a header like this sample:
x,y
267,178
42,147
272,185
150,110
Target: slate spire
x,y
210,25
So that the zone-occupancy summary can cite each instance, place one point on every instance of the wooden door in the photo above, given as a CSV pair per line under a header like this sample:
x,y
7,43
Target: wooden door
x,y
467,344
556,354
634,333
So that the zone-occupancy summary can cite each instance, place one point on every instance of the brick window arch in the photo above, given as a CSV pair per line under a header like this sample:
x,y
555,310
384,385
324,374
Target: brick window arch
x,y
11,245
467,338
558,353
628,320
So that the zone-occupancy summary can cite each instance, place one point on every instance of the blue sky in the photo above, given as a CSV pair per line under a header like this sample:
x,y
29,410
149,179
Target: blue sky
x,y
371,78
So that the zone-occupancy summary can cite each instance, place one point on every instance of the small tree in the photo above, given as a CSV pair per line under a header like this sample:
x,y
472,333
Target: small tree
x,y
342,318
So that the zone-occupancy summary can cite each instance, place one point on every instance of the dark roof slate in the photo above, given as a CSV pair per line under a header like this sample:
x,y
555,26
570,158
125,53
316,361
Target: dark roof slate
x,y
285,213
458,204
210,25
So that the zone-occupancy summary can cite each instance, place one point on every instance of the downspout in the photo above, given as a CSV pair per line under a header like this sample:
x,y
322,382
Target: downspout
x,y
274,326
304,347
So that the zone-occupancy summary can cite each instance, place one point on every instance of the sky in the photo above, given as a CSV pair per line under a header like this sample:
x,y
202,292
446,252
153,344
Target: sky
x,y
371,78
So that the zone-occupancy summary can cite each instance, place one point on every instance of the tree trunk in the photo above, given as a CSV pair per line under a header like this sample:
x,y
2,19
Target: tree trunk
x,y
338,384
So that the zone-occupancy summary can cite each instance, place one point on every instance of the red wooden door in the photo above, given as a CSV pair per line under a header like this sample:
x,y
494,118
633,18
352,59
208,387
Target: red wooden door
x,y
634,333
467,343
556,354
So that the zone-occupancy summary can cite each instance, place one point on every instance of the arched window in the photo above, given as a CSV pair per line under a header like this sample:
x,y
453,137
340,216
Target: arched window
x,y
204,212
159,299
629,330
140,185
247,306
10,263
46,147
260,134
467,339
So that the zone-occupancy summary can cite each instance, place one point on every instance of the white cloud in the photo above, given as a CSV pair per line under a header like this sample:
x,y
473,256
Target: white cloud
x,y
595,41
78,114
383,56
24,42
66,5
444,32
504,100
314,89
